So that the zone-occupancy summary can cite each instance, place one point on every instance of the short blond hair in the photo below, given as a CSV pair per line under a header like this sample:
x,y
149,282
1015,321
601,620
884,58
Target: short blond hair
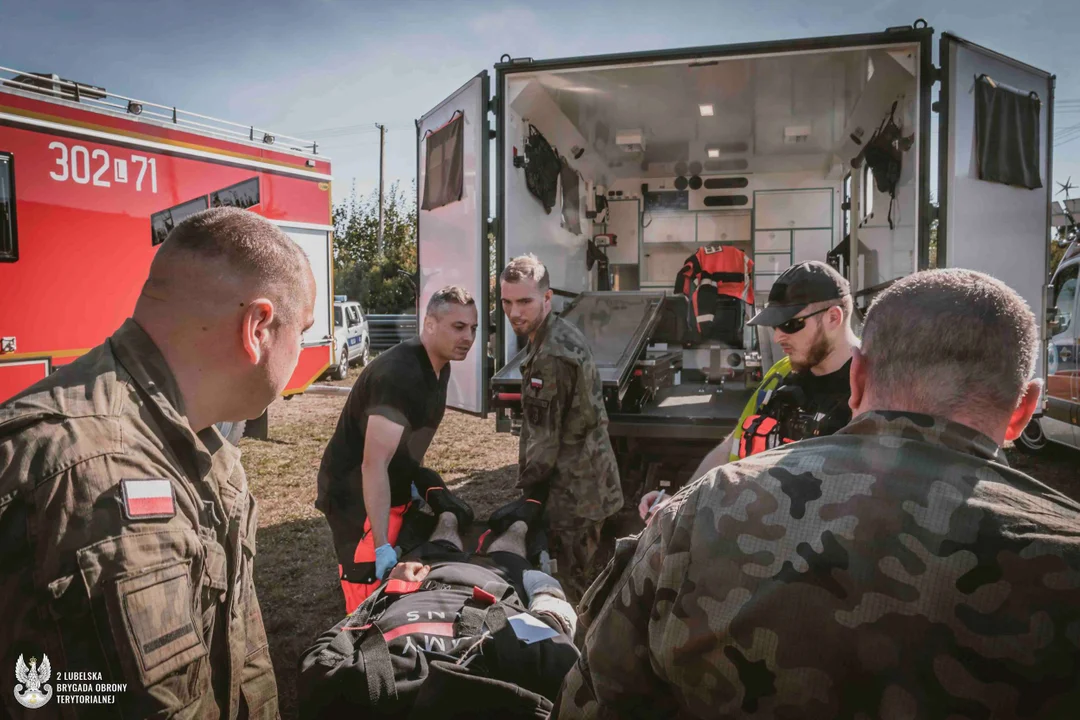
x,y
526,267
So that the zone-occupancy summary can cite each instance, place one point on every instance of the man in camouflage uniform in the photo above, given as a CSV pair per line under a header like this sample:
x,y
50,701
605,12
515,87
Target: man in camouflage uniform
x,y
565,454
128,531
897,569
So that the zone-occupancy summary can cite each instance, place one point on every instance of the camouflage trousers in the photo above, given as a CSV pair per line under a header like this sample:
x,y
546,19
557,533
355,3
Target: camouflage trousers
x,y
578,554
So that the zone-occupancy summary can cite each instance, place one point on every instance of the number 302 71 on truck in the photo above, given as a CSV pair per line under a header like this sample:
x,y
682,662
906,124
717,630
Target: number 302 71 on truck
x,y
91,183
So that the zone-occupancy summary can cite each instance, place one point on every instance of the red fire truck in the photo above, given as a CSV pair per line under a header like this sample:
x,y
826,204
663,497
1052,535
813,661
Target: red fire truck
x,y
91,182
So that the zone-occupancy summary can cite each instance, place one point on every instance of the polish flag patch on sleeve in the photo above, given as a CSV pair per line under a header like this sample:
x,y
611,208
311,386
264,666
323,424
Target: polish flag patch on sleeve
x,y
148,499
537,384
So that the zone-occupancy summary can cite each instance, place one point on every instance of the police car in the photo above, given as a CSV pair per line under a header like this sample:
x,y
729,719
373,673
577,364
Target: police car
x,y
351,339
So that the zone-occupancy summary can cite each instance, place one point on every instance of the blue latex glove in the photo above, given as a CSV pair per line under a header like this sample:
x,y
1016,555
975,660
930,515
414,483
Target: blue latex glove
x,y
385,560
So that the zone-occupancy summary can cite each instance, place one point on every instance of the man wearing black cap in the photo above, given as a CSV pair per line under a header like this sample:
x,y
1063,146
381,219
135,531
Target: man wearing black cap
x,y
806,393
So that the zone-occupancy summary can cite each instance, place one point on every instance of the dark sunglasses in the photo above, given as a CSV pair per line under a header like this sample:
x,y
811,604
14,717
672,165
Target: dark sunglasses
x,y
794,325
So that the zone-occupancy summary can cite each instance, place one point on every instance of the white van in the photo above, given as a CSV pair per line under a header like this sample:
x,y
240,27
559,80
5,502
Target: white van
x,y
351,339
1060,422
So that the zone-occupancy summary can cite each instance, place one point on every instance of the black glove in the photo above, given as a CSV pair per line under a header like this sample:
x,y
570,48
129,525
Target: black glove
x,y
441,500
526,509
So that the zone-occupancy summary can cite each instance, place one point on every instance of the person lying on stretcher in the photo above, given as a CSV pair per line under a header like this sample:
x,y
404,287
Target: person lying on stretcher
x,y
449,632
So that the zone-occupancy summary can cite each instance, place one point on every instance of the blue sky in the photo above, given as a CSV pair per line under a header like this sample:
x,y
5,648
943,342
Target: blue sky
x,y
316,66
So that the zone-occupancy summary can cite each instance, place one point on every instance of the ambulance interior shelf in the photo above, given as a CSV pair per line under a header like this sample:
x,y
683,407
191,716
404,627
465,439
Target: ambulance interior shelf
x,y
671,237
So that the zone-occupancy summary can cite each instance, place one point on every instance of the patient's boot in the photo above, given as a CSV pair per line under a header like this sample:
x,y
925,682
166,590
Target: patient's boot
x,y
511,541
447,529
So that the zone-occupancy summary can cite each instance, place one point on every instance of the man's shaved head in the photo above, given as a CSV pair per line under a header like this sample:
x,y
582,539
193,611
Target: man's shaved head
x,y
241,249
227,302
953,343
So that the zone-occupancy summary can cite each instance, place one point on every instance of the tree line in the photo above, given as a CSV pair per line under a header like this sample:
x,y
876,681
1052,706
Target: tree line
x,y
383,280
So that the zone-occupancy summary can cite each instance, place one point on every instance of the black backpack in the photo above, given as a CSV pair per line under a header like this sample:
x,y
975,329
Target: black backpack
x,y
884,154
412,646
542,168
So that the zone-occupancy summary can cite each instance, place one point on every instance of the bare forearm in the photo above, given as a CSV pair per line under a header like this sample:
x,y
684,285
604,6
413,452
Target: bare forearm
x,y
377,501
719,455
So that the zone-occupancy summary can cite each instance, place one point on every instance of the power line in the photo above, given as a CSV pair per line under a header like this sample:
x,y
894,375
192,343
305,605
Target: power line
x,y
344,131
352,129
1066,135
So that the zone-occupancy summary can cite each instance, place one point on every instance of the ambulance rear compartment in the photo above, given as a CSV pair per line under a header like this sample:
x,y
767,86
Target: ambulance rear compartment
x,y
751,152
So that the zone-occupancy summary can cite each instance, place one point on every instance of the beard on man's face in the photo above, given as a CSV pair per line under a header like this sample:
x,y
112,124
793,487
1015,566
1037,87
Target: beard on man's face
x,y
819,349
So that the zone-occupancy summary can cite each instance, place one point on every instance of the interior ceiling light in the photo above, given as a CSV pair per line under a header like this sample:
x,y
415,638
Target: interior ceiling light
x,y
706,110
714,152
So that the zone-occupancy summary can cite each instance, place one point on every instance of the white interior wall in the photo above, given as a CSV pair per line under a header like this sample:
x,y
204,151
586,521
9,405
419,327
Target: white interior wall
x,y
527,227
896,249
667,262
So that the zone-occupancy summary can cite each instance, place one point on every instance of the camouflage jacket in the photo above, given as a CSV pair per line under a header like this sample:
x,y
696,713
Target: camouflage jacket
x,y
564,439
128,543
898,569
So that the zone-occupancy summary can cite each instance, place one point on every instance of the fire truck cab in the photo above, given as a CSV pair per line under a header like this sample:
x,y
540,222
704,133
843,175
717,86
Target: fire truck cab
x,y
91,182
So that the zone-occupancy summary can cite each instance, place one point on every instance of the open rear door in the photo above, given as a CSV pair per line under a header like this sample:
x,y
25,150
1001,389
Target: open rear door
x,y
986,225
452,243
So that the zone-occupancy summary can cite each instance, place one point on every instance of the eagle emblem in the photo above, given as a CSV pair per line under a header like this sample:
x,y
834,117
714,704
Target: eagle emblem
x,y
33,679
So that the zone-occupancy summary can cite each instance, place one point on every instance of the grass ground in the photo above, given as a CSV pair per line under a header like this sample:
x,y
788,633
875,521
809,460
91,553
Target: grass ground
x,y
295,568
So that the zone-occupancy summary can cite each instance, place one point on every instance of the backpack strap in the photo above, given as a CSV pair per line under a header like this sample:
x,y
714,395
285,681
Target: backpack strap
x,y
377,668
477,610
362,614
470,621
496,619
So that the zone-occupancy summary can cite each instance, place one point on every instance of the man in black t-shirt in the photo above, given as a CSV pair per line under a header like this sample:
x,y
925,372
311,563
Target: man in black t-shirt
x,y
376,453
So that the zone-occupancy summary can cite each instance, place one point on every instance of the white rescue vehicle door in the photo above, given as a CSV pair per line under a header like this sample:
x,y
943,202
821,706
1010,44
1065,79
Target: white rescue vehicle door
x,y
452,242
315,242
985,224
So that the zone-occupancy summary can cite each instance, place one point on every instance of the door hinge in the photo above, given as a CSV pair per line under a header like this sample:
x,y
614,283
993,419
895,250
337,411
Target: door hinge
x,y
492,133
493,104
935,74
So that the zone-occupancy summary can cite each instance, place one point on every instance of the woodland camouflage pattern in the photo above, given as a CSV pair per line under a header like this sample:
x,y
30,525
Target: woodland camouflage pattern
x,y
564,438
898,569
165,605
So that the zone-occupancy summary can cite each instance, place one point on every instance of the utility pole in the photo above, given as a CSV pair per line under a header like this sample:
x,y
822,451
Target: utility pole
x,y
382,176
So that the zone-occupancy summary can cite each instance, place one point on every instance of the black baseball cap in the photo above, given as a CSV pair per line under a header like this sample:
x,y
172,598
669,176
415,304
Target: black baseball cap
x,y
799,286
